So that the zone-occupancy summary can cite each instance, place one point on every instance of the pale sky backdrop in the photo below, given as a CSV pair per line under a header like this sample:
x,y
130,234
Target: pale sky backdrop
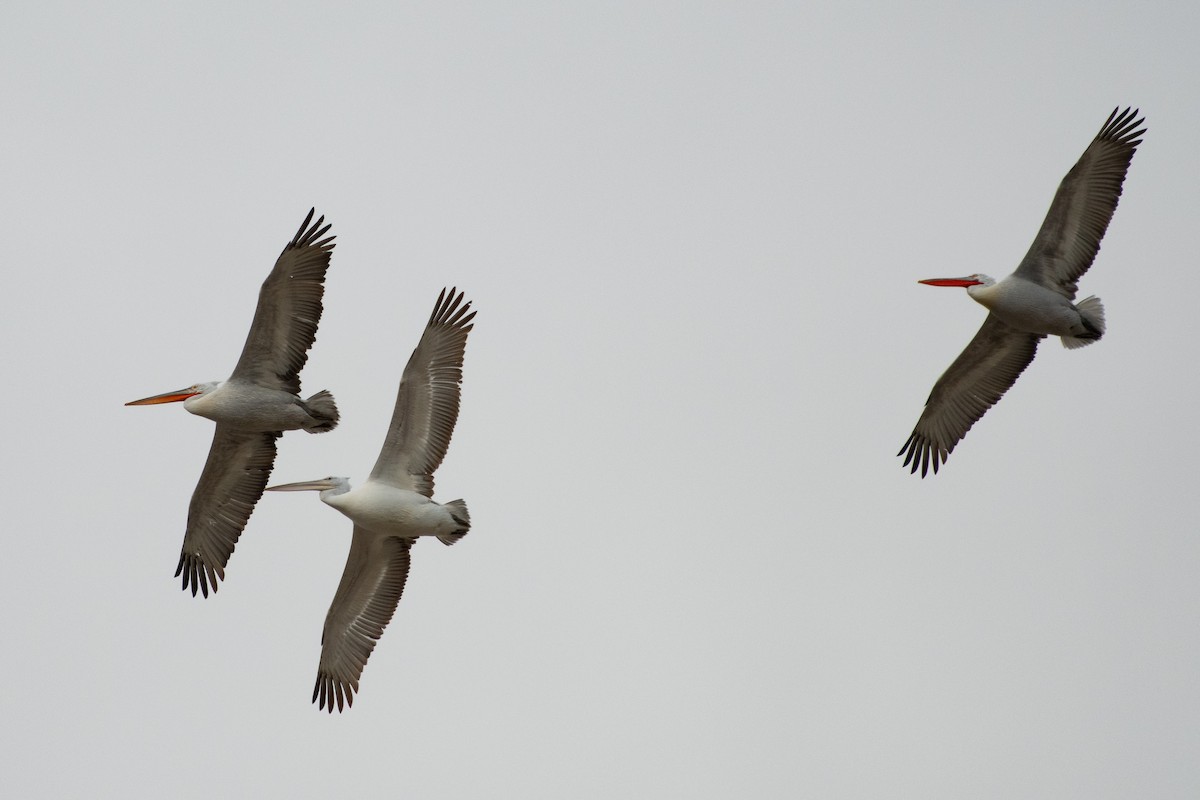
x,y
693,233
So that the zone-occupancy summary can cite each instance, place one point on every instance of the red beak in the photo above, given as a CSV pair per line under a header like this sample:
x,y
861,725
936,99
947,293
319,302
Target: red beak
x,y
950,282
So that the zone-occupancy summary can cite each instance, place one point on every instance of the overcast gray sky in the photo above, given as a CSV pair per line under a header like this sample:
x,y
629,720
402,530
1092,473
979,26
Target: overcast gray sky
x,y
693,234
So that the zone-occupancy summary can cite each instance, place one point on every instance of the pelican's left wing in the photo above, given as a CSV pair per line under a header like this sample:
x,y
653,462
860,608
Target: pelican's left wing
x,y
427,402
1070,236
289,308
976,380
366,599
238,468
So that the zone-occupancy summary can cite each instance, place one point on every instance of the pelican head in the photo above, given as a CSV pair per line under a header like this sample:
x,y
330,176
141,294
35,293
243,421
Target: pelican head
x,y
333,485
194,390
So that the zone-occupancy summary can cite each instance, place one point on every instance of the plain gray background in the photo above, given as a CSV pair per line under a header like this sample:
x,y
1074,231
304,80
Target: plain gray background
x,y
693,233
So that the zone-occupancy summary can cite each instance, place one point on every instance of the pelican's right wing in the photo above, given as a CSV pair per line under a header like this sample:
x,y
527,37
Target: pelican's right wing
x,y
976,380
238,468
427,402
366,599
289,308
1083,206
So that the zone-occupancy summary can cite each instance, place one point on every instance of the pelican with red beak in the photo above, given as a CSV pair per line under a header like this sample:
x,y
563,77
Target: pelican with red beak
x,y
259,401
1035,301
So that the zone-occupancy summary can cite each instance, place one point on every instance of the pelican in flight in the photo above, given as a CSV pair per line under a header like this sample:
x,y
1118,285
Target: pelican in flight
x,y
259,401
393,507
1034,301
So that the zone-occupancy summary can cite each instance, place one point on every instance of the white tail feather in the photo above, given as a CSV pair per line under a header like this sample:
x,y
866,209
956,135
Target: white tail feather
x,y
1092,311
323,411
458,510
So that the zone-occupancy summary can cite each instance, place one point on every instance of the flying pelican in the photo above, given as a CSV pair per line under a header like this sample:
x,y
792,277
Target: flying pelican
x,y
1032,302
259,401
394,507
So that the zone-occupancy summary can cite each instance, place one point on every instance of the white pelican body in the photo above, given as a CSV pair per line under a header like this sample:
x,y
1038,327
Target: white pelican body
x,y
394,507
1032,308
1036,301
384,510
247,406
254,406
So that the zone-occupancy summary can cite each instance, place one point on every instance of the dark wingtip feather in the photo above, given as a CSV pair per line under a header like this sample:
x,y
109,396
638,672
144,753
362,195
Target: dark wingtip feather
x,y
446,310
196,574
1120,125
307,236
303,225
921,455
329,692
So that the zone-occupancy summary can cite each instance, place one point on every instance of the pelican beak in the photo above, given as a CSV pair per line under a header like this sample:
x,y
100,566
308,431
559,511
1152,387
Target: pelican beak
x,y
304,486
950,282
168,397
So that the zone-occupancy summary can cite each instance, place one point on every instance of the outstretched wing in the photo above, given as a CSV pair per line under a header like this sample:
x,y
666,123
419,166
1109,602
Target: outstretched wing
x,y
976,380
427,403
372,583
238,468
1070,236
289,308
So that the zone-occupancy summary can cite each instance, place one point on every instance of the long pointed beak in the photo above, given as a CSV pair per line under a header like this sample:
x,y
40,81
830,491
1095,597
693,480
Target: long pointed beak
x,y
950,282
303,486
166,397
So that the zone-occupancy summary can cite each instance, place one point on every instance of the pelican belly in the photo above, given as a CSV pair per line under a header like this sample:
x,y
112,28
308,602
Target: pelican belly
x,y
1029,307
249,407
390,511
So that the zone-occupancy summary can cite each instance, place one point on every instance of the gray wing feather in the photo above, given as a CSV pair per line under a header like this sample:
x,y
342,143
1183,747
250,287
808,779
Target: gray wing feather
x,y
976,380
234,477
289,308
1070,236
428,399
366,599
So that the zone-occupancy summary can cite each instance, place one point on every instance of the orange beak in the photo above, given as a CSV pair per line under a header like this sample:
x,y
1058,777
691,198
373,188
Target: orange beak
x,y
168,397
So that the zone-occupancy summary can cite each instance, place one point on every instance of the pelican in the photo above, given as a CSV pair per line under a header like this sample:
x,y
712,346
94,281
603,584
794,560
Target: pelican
x,y
1034,301
394,506
259,401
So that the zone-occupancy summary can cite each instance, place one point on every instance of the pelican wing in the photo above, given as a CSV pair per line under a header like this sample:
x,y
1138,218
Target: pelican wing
x,y
976,380
289,308
372,583
238,468
427,403
1087,197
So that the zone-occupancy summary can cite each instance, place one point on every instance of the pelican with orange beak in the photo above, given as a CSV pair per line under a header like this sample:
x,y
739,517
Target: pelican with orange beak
x,y
259,401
